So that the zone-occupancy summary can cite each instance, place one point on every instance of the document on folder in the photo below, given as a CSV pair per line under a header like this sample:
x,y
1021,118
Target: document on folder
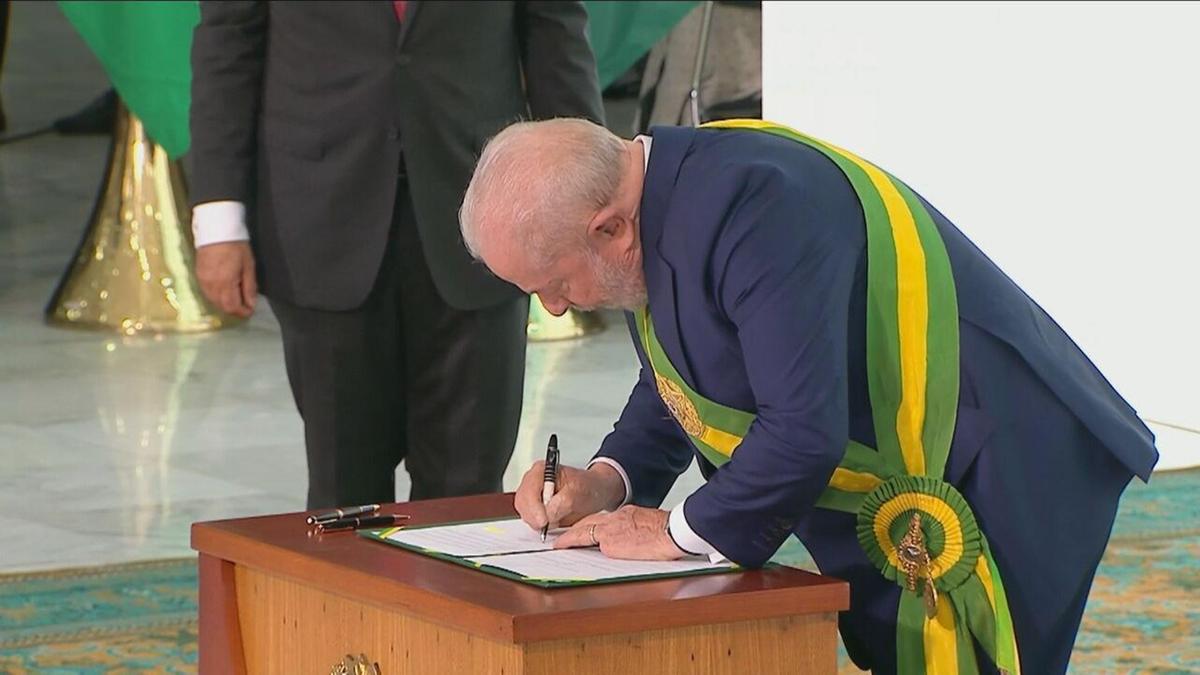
x,y
509,548
466,540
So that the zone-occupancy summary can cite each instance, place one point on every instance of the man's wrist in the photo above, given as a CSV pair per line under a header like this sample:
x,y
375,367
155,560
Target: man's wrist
x,y
613,492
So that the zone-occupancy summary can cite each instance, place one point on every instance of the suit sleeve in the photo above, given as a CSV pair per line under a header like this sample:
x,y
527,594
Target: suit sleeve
x,y
648,445
227,68
560,69
784,272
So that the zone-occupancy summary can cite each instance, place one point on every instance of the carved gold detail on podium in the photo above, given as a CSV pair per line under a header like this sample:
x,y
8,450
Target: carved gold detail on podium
x,y
355,665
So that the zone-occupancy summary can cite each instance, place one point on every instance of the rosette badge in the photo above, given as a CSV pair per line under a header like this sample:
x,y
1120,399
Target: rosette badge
x,y
920,529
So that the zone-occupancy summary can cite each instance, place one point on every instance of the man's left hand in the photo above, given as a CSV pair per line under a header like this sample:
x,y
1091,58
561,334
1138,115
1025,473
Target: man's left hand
x,y
630,532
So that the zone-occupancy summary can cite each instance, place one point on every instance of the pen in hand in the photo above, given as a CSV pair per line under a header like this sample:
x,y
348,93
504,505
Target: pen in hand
x,y
549,477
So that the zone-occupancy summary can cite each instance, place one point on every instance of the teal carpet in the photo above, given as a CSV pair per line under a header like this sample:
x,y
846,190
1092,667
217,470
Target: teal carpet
x,y
133,618
1143,615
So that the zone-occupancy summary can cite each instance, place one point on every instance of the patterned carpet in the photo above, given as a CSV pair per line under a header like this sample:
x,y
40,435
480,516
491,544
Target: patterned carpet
x,y
1143,615
133,618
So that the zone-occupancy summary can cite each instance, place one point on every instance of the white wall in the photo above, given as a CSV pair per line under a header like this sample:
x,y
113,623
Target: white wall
x,y
1064,139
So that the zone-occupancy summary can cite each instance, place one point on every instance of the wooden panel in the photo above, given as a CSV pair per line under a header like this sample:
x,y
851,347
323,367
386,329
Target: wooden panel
x,y
290,627
220,632
715,605
804,644
496,608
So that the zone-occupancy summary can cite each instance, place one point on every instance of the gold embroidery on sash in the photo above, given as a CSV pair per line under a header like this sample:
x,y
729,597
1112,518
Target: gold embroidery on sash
x,y
681,407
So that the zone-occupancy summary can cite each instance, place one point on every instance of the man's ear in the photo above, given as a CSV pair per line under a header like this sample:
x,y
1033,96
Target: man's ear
x,y
605,227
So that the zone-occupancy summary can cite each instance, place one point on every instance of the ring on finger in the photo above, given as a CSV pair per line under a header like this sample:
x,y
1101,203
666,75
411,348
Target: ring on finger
x,y
592,535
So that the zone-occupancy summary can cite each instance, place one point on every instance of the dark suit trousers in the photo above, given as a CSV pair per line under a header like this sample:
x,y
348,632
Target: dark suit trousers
x,y
405,377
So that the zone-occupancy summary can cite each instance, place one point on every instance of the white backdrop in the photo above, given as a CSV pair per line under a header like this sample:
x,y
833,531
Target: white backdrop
x,y
1064,139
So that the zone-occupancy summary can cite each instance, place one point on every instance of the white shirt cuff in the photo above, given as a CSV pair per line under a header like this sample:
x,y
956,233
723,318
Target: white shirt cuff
x,y
687,539
620,471
216,222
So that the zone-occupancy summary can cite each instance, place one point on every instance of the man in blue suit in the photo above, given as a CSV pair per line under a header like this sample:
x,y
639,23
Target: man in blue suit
x,y
741,255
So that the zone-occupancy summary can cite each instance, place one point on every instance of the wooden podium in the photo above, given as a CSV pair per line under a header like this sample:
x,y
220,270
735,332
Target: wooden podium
x,y
275,599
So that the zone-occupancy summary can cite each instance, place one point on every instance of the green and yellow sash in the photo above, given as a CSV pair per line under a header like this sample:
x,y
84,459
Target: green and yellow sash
x,y
915,527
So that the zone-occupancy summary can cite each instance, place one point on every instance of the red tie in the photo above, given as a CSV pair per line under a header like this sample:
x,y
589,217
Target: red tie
x,y
399,7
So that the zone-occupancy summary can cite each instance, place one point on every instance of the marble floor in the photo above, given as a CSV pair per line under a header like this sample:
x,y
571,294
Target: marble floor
x,y
111,446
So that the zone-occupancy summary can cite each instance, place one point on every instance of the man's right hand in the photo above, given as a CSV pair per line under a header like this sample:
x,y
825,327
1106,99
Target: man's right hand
x,y
579,494
226,274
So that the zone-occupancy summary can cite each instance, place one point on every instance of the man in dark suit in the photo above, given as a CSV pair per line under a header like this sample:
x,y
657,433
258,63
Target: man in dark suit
x,y
843,364
331,144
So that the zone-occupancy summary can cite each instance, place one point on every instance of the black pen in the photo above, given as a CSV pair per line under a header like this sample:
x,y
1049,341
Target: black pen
x,y
358,523
549,477
342,513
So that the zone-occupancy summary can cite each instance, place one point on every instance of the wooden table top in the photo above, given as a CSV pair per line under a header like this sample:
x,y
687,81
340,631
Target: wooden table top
x,y
498,608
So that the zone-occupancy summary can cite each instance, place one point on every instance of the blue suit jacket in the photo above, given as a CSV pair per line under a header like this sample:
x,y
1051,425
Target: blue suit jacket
x,y
754,256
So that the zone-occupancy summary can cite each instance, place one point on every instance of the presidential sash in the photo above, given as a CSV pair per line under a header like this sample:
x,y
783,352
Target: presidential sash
x,y
916,528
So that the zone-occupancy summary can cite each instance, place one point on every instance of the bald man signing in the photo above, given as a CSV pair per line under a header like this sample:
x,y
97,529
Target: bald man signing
x,y
842,363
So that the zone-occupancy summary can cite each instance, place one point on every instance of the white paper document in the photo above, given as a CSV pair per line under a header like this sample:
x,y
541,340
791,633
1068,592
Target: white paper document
x,y
589,564
467,540
511,545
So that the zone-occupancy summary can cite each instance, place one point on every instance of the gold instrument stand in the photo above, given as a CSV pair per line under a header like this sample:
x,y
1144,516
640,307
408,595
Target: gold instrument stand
x,y
134,269
545,327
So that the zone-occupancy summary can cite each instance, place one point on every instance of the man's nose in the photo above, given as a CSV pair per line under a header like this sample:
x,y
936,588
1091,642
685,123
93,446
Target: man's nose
x,y
555,305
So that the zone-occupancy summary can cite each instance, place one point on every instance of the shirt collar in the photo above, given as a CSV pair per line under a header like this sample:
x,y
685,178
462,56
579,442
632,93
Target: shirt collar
x,y
645,141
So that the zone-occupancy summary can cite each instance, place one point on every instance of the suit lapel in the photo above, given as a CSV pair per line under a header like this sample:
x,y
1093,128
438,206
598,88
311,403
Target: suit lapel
x,y
666,155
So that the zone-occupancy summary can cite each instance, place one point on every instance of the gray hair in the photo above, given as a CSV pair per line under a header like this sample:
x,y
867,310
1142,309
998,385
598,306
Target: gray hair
x,y
540,182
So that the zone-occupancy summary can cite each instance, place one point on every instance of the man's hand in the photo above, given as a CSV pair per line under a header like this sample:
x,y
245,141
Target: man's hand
x,y
226,275
633,533
579,493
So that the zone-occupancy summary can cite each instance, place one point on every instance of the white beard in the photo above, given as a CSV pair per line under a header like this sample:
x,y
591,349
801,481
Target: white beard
x,y
621,287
